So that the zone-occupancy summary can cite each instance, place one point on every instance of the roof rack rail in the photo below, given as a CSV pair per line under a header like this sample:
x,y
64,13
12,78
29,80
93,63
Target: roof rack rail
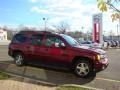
x,y
45,31
29,32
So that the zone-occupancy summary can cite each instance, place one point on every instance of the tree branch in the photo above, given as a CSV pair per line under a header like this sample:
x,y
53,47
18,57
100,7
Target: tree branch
x,y
113,7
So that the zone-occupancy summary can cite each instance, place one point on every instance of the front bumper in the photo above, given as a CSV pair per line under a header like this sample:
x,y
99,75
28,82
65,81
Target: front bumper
x,y
103,64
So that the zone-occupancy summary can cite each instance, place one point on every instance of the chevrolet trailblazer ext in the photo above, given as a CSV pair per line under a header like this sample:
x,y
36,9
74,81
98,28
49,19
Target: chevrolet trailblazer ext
x,y
56,49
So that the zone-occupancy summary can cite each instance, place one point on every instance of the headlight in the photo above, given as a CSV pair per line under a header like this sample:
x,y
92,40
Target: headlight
x,y
100,57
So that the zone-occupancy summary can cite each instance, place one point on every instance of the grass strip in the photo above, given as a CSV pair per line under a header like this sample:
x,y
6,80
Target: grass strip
x,y
4,75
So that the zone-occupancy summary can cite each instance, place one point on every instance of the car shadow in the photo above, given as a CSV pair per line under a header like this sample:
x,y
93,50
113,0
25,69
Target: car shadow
x,y
53,76
60,76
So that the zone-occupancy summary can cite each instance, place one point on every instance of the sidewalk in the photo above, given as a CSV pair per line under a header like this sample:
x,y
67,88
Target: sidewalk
x,y
16,85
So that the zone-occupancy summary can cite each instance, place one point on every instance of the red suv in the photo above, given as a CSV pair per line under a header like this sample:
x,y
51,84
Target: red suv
x,y
56,49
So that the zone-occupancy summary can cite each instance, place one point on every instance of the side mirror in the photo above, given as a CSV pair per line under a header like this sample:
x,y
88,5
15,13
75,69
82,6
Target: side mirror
x,y
62,45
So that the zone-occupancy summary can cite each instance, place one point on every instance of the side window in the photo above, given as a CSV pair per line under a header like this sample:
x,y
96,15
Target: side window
x,y
36,39
52,41
19,38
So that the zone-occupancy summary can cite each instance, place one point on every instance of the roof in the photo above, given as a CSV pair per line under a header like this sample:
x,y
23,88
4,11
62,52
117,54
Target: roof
x,y
29,33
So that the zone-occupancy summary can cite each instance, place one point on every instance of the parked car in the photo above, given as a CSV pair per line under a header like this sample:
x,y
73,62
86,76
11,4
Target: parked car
x,y
86,43
118,43
56,49
113,43
91,44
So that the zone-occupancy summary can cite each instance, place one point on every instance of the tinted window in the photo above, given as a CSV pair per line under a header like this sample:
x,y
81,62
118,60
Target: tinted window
x,y
52,41
19,38
36,39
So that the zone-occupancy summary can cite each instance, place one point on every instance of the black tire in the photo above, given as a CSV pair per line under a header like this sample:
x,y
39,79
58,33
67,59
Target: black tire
x,y
83,68
19,59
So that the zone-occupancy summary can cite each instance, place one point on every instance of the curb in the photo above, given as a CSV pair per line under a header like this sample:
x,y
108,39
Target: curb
x,y
80,86
37,82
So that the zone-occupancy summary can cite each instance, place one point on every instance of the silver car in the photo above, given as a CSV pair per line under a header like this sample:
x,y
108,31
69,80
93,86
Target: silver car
x,y
91,44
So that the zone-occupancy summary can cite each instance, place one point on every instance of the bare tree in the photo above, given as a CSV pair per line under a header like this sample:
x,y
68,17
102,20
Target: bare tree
x,y
75,34
62,27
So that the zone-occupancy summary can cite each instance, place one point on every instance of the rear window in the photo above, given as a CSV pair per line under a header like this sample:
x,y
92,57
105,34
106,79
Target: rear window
x,y
19,38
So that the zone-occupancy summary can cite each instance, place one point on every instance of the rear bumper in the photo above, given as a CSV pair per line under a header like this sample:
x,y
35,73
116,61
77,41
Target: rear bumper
x,y
10,52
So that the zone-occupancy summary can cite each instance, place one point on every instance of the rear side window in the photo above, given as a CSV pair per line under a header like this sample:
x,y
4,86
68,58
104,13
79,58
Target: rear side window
x,y
19,38
36,39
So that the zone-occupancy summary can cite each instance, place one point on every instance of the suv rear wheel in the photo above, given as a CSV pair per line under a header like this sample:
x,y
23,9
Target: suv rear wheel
x,y
83,68
19,59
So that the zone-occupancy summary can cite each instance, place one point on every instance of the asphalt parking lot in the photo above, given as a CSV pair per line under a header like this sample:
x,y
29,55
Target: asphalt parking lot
x,y
108,79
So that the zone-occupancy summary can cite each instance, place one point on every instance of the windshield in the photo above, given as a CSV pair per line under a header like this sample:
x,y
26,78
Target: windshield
x,y
70,40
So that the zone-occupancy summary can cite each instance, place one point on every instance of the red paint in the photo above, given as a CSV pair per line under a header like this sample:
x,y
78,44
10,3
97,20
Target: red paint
x,y
53,54
95,28
96,32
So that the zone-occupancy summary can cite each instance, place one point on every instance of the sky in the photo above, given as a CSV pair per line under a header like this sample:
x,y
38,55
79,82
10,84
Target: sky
x,y
77,13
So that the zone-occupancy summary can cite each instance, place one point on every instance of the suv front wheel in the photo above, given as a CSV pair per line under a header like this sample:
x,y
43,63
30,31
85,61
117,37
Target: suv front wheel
x,y
19,59
83,68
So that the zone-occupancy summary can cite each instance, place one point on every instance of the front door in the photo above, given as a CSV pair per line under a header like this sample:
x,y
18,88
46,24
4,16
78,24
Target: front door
x,y
55,53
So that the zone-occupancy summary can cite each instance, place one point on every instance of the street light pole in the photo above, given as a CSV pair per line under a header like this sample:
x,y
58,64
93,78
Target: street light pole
x,y
82,30
117,31
45,22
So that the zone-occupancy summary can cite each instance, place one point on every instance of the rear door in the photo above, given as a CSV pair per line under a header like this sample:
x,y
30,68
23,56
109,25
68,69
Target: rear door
x,y
35,47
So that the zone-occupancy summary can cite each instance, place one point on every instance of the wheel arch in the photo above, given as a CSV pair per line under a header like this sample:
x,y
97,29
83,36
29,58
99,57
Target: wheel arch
x,y
17,51
76,58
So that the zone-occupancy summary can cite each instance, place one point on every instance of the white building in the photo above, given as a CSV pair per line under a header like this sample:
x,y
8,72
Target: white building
x,y
3,35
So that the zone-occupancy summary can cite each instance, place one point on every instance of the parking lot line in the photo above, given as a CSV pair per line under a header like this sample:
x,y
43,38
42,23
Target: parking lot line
x,y
106,79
